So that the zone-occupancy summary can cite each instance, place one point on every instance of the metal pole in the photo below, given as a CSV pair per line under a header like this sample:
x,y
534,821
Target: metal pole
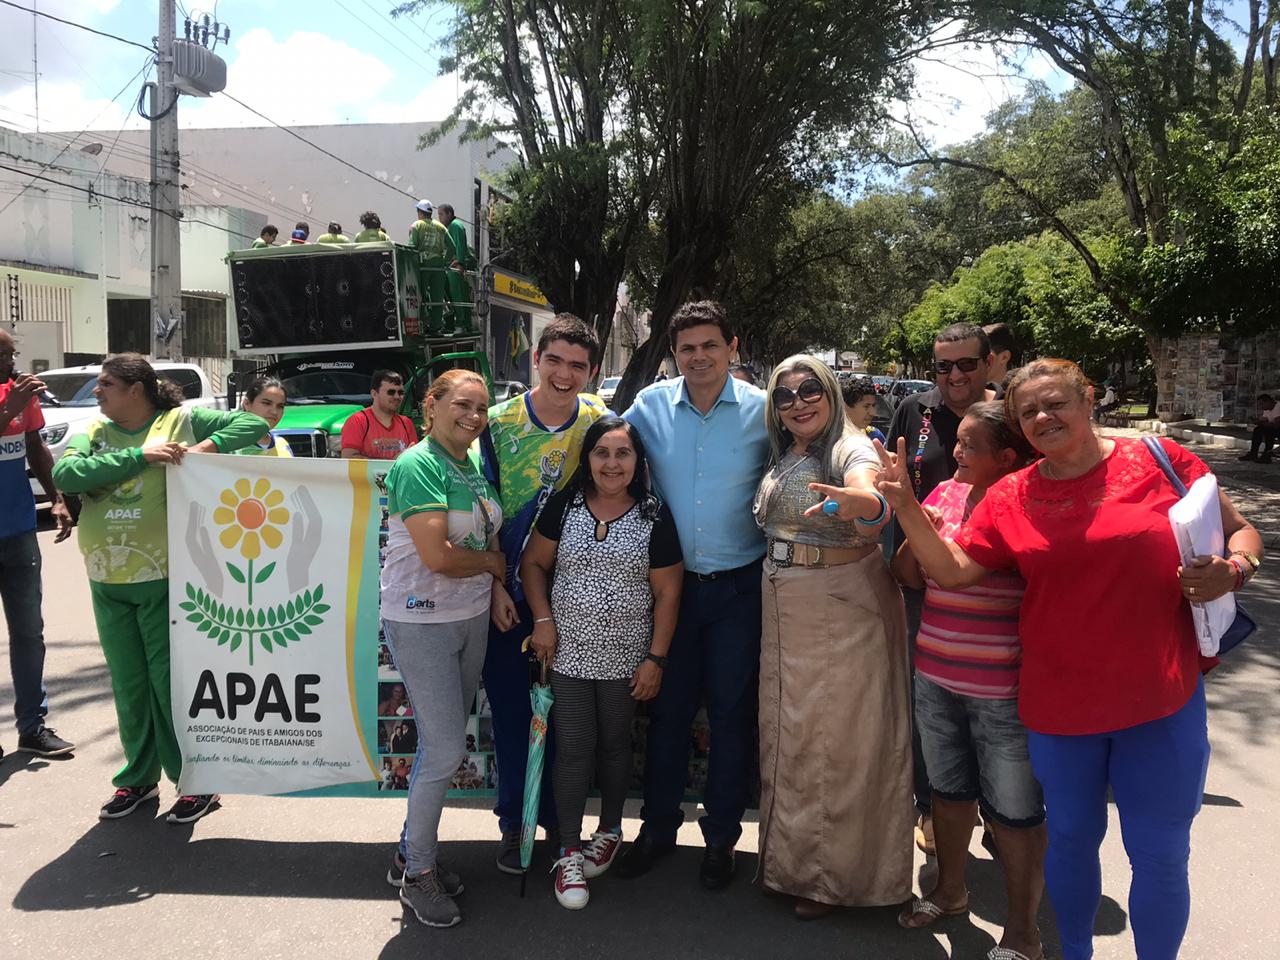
x,y
166,210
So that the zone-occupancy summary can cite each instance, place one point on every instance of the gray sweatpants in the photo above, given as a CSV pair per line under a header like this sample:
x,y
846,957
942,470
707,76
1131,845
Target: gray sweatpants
x,y
440,664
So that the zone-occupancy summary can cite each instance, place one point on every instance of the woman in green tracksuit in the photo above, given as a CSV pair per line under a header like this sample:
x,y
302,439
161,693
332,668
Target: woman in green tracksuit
x,y
118,466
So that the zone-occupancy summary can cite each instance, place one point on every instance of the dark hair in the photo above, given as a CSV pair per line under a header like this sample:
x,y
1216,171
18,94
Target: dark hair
x,y
335,226
303,226
853,389
133,368
384,376
639,486
1265,396
271,229
959,332
698,313
447,206
1001,338
254,390
570,329
370,221
1001,433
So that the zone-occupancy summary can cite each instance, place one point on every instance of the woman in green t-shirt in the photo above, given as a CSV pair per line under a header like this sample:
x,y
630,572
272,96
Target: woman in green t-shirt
x,y
441,584
265,397
118,466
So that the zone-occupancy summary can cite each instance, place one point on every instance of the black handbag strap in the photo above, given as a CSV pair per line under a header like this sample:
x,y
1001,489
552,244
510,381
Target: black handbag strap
x,y
1162,460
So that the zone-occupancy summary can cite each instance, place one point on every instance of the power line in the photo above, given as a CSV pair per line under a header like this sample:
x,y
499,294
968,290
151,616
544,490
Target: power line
x,y
72,141
316,146
381,36
127,201
78,26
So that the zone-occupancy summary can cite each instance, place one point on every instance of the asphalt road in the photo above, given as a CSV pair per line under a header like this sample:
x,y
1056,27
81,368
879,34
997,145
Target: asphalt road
x,y
265,877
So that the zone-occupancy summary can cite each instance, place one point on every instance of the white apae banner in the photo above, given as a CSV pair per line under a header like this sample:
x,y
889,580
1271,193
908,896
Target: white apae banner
x,y
269,583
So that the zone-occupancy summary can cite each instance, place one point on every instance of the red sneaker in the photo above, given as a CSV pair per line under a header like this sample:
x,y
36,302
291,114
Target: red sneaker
x,y
598,855
571,885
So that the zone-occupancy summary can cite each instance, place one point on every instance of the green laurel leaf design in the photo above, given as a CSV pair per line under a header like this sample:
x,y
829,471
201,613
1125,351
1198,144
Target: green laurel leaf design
x,y
272,627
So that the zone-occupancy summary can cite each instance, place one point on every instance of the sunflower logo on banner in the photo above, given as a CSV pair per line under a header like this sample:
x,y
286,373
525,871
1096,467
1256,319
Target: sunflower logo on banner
x,y
254,524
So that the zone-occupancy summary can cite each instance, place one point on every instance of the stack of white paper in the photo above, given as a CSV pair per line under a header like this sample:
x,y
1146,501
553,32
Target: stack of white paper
x,y
1196,520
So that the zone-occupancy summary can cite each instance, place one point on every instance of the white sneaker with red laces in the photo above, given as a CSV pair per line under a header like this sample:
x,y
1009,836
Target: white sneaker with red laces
x,y
571,885
597,856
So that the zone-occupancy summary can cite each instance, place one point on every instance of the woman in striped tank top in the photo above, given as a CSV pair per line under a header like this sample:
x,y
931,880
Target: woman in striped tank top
x,y
967,660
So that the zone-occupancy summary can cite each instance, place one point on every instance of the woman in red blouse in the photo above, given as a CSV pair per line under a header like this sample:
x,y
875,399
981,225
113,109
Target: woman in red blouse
x,y
1110,687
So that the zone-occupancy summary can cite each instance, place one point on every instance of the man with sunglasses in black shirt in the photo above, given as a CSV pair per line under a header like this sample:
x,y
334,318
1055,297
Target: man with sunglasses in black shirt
x,y
929,422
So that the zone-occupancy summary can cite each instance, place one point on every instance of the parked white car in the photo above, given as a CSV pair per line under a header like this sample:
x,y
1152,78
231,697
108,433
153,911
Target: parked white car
x,y
608,389
68,403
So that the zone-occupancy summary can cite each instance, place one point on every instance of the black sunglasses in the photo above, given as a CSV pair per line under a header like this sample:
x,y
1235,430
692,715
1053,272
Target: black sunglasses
x,y
810,391
966,365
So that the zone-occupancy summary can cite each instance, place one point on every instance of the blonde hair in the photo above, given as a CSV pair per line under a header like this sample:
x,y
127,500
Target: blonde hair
x,y
1039,369
441,385
837,427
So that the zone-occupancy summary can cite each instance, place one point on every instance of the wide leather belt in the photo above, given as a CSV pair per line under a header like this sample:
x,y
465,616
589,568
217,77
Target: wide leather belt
x,y
785,553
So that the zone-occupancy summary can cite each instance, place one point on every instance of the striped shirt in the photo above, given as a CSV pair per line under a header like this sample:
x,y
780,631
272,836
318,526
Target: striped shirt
x,y
968,640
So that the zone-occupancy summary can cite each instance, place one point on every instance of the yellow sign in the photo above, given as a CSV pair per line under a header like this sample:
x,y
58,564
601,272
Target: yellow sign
x,y
517,289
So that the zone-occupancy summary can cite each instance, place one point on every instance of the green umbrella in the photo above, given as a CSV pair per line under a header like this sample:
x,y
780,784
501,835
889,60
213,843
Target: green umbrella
x,y
540,699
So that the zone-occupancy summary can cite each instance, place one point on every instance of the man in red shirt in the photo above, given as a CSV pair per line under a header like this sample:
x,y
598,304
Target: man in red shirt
x,y
380,432
20,589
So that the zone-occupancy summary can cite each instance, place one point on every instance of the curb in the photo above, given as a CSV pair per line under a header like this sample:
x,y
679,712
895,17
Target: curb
x,y
1186,430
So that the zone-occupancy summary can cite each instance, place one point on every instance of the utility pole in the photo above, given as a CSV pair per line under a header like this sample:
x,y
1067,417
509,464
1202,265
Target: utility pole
x,y
166,209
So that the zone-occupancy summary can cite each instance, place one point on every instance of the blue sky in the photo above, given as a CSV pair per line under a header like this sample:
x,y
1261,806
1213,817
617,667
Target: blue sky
x,y
335,61
298,61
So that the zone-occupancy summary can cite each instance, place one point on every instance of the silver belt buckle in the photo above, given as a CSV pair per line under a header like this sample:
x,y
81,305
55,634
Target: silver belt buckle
x,y
782,553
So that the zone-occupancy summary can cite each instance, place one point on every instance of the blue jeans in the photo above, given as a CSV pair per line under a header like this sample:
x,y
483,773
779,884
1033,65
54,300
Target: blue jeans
x,y
20,593
715,655
1156,772
976,749
506,682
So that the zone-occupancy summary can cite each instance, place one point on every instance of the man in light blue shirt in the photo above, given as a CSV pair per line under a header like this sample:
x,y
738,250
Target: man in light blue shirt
x,y
704,434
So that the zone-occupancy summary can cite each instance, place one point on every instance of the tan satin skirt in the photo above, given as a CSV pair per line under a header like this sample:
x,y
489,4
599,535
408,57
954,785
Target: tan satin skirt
x,y
836,810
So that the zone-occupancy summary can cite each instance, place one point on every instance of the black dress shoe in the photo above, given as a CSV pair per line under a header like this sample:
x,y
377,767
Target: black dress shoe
x,y
718,864
639,858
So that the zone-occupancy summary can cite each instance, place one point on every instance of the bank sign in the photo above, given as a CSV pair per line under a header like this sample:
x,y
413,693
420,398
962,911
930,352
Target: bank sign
x,y
274,622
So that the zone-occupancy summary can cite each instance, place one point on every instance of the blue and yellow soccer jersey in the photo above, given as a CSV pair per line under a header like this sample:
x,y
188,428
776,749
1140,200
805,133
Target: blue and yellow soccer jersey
x,y
527,463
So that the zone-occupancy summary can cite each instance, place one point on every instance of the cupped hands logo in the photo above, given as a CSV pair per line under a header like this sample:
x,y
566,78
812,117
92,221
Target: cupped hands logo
x,y
255,523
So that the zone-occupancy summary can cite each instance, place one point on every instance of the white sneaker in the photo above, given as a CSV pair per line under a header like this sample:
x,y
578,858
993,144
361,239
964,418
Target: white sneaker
x,y
598,855
571,885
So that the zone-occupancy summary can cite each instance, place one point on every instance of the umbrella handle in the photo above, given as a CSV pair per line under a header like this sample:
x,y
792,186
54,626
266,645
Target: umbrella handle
x,y
542,672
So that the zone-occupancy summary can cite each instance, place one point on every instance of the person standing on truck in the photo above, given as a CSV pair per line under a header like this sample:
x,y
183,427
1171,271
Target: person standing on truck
x,y
372,231
301,231
459,288
435,248
20,588
334,235
267,238
528,450
380,431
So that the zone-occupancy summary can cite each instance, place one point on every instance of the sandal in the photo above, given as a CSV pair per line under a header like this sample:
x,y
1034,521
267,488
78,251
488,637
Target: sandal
x,y
925,906
1008,953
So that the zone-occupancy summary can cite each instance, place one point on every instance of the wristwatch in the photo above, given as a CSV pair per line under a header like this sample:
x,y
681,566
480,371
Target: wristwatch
x,y
660,661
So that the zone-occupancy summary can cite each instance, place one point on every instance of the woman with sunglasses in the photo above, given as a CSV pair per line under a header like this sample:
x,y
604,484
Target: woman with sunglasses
x,y
835,716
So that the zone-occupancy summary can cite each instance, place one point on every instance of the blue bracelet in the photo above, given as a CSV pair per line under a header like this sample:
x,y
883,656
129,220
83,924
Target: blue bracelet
x,y
884,512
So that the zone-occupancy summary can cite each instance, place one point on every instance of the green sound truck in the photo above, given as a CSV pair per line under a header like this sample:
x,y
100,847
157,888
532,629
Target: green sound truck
x,y
323,317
